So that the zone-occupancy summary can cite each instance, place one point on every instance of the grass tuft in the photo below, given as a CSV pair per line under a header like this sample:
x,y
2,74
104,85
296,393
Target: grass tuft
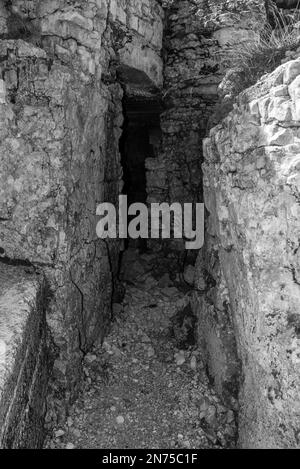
x,y
249,61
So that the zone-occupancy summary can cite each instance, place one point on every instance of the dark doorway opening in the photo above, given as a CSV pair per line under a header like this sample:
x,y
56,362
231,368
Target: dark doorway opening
x,y
140,140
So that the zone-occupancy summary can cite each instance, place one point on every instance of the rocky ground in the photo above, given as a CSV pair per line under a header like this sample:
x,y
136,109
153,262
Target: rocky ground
x,y
147,387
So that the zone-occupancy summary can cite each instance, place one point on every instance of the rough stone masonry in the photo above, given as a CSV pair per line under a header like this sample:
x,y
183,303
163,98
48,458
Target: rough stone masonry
x,y
64,69
60,124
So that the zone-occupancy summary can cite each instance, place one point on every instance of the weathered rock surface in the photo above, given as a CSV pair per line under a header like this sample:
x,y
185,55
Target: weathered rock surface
x,y
65,67
60,124
141,390
252,193
196,43
24,360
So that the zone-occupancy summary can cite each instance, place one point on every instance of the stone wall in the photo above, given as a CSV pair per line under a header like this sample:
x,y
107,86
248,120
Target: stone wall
x,y
196,42
60,125
252,194
64,69
24,358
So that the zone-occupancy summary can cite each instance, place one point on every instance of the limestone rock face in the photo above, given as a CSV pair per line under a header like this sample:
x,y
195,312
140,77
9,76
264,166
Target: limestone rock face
x,y
197,42
251,177
60,125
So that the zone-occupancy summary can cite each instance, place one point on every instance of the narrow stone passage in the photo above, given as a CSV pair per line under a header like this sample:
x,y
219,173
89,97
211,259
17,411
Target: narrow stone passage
x,y
146,387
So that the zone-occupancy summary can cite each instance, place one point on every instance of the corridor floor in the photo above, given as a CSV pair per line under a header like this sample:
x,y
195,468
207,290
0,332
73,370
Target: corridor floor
x,y
142,390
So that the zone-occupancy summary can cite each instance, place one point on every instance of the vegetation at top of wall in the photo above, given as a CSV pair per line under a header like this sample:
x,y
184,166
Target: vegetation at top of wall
x,y
250,60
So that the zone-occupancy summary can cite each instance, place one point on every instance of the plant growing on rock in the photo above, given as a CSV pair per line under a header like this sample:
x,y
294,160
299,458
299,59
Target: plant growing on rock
x,y
250,60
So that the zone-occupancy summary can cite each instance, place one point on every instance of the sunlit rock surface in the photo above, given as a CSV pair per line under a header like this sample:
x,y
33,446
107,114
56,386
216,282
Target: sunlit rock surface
x,y
252,188
24,358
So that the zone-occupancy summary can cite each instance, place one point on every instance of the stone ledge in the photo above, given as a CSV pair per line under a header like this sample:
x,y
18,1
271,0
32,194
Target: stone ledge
x,y
23,359
252,186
